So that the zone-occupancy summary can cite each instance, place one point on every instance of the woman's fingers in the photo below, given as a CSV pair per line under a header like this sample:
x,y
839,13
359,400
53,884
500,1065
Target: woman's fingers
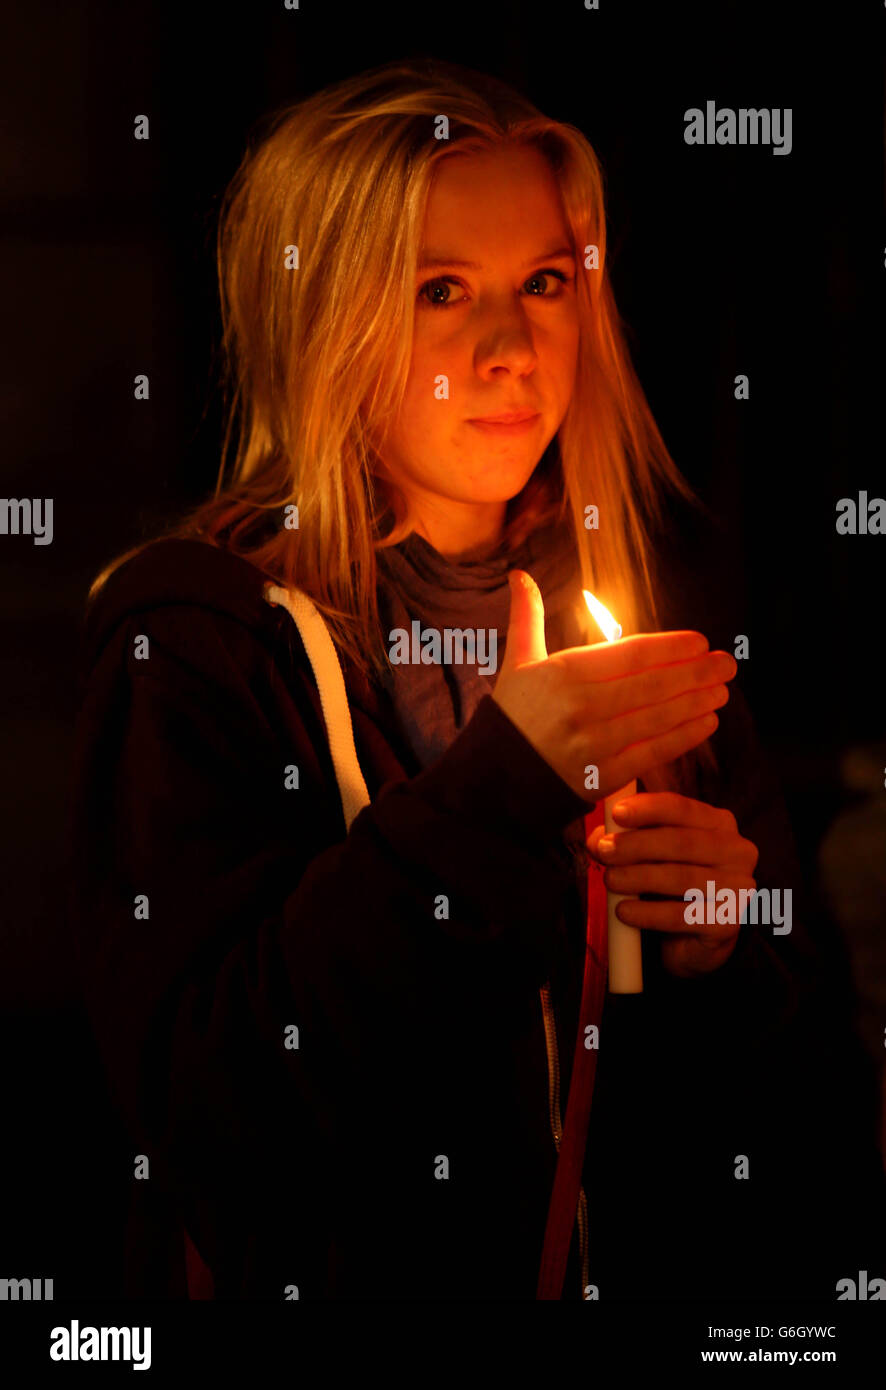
x,y
603,661
668,917
653,720
659,685
626,766
677,845
673,880
620,734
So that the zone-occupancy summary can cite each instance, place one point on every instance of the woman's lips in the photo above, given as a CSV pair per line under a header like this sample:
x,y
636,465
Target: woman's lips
x,y
517,425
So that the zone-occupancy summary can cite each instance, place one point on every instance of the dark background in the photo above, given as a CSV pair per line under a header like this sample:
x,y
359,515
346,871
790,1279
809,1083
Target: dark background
x,y
724,260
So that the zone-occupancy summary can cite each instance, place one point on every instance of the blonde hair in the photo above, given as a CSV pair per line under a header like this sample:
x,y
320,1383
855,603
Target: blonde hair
x,y
316,359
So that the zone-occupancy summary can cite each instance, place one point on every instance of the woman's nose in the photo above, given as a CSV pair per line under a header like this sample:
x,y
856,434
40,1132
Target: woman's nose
x,y
507,342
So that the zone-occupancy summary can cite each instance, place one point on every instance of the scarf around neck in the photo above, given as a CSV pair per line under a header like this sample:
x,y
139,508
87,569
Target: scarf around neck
x,y
435,699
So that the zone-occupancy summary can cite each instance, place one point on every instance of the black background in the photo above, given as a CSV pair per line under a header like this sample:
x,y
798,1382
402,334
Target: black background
x,y
724,260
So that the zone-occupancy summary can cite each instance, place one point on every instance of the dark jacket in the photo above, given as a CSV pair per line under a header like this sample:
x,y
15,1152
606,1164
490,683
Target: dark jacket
x,y
420,1035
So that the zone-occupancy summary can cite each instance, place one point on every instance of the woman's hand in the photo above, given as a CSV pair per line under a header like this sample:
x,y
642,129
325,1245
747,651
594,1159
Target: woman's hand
x,y
623,708
672,843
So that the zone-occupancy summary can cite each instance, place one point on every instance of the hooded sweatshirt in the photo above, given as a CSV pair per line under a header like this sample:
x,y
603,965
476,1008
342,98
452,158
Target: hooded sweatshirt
x,y
313,972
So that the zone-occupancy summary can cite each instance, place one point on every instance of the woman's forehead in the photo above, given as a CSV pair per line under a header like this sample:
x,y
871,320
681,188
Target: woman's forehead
x,y
507,195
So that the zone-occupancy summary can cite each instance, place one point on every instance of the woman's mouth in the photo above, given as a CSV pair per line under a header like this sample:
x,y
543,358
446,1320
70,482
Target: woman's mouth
x,y
512,422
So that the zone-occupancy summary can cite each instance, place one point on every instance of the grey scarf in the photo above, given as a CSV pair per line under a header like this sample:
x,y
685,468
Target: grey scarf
x,y
433,701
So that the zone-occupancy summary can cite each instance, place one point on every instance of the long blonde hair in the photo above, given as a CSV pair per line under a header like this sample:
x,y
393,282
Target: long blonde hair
x,y
317,346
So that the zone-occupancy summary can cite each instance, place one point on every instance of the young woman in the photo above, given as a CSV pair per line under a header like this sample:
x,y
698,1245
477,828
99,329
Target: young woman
x,y
331,903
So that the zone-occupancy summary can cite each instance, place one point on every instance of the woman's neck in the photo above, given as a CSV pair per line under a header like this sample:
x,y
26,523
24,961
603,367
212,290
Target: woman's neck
x,y
463,539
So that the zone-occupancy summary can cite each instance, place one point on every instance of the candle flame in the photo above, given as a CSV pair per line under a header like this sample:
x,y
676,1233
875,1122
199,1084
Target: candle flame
x,y
602,617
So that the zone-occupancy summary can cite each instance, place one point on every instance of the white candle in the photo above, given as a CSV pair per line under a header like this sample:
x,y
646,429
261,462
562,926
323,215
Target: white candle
x,y
625,942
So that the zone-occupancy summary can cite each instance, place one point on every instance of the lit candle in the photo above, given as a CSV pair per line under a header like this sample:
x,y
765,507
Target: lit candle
x,y
625,948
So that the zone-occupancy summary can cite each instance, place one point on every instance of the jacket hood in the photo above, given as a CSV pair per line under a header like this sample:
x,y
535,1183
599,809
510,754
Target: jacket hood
x,y
165,572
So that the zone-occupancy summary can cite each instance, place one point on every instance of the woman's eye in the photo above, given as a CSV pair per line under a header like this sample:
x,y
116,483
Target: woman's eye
x,y
548,274
435,293
436,286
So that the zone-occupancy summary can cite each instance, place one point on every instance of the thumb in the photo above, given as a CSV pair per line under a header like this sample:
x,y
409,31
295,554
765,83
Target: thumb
x,y
526,625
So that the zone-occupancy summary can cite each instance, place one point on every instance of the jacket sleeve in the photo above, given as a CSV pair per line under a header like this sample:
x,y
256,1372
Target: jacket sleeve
x,y
215,909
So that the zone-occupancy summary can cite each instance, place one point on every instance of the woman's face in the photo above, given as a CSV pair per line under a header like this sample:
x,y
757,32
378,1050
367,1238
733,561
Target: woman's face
x,y
502,331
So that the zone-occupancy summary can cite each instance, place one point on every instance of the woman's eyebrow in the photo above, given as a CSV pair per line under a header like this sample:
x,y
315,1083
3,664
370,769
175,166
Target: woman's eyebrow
x,y
433,260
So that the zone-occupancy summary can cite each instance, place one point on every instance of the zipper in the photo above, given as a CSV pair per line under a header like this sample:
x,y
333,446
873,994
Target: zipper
x,y
556,1119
